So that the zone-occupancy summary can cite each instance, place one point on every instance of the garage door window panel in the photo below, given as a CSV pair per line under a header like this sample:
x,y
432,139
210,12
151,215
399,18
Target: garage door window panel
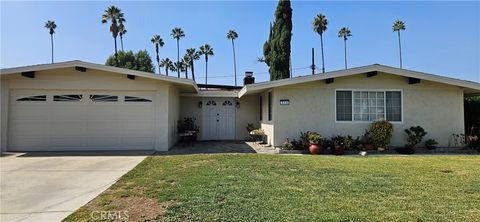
x,y
104,98
33,98
136,99
68,98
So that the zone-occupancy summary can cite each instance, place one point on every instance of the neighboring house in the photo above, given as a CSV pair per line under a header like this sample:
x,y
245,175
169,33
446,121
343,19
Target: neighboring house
x,y
83,106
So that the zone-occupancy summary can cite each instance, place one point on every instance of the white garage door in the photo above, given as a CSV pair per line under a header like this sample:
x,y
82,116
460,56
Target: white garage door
x,y
64,121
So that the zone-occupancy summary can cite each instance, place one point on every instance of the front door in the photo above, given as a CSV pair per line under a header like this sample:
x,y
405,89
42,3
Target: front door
x,y
218,119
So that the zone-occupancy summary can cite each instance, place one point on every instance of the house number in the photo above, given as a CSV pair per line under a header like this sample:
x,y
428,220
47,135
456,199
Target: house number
x,y
284,102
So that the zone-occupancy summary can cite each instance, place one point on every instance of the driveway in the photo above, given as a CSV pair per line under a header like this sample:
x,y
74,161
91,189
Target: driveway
x,y
50,186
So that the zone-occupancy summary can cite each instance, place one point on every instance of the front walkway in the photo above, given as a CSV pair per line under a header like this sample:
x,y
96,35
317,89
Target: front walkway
x,y
212,147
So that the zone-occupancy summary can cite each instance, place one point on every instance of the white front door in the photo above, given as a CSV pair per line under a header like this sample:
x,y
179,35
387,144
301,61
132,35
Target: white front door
x,y
218,119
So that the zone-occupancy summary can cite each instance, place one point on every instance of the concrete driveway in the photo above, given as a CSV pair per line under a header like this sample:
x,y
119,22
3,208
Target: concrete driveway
x,y
50,186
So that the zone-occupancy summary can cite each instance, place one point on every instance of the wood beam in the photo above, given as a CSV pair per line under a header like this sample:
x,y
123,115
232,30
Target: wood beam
x,y
329,80
29,74
412,80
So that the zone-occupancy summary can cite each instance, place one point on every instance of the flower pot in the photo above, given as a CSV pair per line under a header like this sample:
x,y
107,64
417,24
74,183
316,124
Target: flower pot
x,y
369,146
314,149
337,150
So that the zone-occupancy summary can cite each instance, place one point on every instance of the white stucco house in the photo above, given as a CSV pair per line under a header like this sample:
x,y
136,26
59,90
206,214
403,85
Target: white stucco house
x,y
84,106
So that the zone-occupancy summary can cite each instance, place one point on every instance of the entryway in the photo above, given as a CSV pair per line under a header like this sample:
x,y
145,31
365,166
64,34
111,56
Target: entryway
x,y
218,115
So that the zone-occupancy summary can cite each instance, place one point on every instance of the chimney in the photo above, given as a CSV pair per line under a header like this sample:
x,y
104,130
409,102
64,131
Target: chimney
x,y
248,79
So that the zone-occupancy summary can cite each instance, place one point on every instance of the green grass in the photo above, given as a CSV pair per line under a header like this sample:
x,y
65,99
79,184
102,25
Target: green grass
x,y
253,187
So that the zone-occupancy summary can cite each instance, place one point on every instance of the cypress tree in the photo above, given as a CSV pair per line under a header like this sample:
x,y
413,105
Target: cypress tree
x,y
276,49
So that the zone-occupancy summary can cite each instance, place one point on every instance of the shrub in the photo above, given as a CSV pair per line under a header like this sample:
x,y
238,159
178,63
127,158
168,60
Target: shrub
x,y
345,142
381,132
431,143
458,139
315,138
415,135
303,142
287,145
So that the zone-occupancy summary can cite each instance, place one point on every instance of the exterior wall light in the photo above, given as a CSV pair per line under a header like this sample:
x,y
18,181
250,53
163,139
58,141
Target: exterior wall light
x,y
200,104
237,104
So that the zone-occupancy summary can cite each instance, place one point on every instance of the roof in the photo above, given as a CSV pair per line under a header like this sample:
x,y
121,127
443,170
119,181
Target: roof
x,y
471,88
40,67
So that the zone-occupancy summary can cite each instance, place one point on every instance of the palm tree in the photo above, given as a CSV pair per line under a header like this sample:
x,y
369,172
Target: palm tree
x,y
51,26
158,43
233,35
121,31
320,26
187,61
345,33
206,50
397,26
168,64
177,33
179,66
115,15
194,55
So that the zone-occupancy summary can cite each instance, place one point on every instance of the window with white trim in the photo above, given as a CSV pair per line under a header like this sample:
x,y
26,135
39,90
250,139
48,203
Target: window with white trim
x,y
371,105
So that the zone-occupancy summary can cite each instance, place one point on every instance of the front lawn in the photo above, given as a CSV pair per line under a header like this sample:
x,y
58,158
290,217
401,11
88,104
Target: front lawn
x,y
252,187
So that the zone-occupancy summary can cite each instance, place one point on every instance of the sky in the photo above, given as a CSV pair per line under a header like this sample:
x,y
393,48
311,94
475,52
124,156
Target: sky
x,y
441,37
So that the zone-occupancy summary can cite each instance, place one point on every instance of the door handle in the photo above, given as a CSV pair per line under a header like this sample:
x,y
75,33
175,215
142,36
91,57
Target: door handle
x,y
218,120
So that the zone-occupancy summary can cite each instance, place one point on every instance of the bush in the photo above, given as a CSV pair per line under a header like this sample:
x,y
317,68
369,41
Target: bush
x,y
415,135
431,143
381,132
346,142
287,145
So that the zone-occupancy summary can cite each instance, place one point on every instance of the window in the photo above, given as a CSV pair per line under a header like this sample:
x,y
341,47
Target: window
x,y
136,99
211,103
368,105
261,108
68,98
344,105
33,98
103,98
227,103
269,106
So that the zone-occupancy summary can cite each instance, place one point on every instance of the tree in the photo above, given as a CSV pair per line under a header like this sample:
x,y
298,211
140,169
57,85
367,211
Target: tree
x,y
179,66
276,49
233,35
168,64
121,31
177,34
397,27
158,42
320,23
186,60
51,26
194,55
206,50
345,33
139,61
115,15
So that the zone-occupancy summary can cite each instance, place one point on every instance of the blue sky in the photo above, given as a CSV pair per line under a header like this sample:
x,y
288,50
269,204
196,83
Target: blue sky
x,y
441,37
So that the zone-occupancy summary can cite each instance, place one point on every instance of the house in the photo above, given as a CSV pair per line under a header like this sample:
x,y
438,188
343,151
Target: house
x,y
84,106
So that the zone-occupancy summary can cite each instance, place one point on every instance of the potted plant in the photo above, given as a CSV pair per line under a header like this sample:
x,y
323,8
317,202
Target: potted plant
x,y
315,141
415,135
341,143
431,144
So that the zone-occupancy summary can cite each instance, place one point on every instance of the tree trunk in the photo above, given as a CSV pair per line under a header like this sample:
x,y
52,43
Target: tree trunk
x,y
158,58
51,40
323,60
193,73
121,41
400,48
234,62
116,54
186,72
166,70
206,69
345,40
178,55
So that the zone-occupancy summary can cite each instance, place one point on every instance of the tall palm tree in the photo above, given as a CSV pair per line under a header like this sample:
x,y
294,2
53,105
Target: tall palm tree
x,y
179,66
177,33
345,33
158,42
206,50
320,23
121,31
397,27
194,55
168,64
115,15
187,61
51,26
233,35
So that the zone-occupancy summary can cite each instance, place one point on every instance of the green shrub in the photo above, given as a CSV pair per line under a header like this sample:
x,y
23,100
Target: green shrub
x,y
415,135
431,143
381,132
